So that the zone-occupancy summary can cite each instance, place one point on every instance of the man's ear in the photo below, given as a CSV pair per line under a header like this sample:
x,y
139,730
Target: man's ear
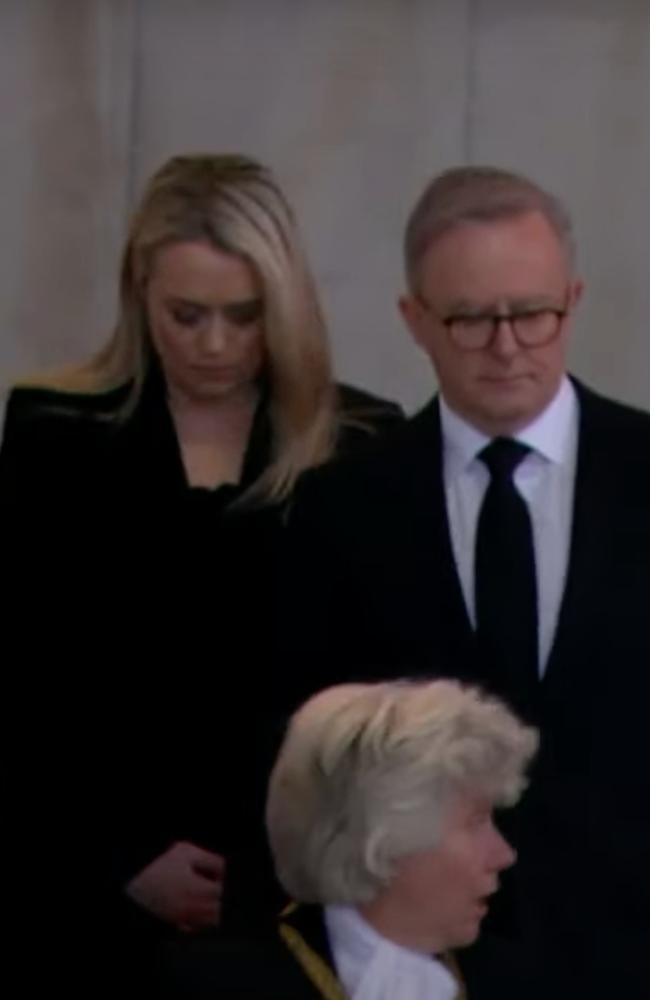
x,y
576,293
413,315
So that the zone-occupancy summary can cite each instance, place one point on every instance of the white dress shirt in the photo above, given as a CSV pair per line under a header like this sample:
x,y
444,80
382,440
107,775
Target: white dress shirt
x,y
545,478
370,967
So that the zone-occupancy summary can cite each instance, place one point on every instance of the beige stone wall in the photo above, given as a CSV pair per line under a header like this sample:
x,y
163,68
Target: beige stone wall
x,y
355,103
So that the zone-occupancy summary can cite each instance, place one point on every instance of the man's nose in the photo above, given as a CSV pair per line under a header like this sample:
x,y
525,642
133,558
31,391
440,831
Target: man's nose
x,y
504,341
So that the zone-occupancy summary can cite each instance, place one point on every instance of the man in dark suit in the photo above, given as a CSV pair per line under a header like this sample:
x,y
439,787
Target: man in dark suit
x,y
503,535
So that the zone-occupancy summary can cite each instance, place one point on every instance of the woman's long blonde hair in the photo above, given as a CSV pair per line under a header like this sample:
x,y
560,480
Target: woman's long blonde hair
x,y
235,204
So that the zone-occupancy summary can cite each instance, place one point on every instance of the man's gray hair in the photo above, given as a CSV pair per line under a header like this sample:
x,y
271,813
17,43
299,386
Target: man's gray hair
x,y
478,194
366,772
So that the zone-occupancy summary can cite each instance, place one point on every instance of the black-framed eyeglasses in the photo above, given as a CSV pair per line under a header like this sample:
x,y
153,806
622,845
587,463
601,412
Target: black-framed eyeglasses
x,y
531,326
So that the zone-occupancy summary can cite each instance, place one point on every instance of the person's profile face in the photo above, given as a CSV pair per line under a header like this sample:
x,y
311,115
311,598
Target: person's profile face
x,y
205,313
507,266
442,894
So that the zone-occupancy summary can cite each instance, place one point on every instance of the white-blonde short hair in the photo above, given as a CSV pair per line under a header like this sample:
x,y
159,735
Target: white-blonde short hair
x,y
366,771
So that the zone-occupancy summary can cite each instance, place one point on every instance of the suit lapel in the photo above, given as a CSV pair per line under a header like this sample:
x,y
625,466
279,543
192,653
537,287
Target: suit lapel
x,y
594,507
428,523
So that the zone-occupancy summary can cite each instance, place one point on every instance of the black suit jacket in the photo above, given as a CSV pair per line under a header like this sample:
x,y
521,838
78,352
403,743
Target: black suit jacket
x,y
379,596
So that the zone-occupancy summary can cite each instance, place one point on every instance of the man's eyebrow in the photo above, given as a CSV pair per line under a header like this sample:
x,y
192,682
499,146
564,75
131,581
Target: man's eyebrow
x,y
466,308
535,301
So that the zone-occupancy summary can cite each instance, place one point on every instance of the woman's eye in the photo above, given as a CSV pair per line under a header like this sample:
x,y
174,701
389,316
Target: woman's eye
x,y
187,317
243,313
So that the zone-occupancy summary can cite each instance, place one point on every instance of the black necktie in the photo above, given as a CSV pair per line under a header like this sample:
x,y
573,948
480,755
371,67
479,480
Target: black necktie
x,y
505,582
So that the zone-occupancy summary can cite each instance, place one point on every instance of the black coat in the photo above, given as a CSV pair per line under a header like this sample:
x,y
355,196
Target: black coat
x,y
270,967
379,596
257,968
148,703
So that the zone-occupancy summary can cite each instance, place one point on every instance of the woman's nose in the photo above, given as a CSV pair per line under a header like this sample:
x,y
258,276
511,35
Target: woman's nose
x,y
215,336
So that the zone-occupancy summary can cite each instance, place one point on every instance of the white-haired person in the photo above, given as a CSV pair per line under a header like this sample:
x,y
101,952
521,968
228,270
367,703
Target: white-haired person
x,y
144,492
380,820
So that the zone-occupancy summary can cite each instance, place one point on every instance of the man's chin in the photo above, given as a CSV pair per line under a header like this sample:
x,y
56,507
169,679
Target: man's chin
x,y
509,415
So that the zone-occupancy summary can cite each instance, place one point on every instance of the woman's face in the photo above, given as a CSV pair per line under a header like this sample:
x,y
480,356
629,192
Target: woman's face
x,y
206,318
439,897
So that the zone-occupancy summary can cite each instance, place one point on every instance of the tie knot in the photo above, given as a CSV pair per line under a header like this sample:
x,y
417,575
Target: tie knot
x,y
502,456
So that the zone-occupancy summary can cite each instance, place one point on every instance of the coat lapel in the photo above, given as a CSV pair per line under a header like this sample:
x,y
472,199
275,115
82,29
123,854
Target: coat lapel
x,y
146,448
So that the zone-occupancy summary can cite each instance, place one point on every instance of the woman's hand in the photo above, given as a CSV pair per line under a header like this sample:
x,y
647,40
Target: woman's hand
x,y
183,887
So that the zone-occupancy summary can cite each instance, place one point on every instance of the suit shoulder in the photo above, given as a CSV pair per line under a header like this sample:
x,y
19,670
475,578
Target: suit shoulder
x,y
360,404
612,409
384,467
619,427
363,418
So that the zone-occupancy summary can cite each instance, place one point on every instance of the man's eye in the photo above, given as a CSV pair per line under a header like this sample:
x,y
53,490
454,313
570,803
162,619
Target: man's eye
x,y
530,313
473,321
468,319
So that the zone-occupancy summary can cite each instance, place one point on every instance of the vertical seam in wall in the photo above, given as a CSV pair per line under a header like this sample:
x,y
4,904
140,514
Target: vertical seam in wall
x,y
133,127
471,80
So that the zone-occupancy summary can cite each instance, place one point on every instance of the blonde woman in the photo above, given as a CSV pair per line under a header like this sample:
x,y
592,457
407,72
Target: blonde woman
x,y
157,473
218,363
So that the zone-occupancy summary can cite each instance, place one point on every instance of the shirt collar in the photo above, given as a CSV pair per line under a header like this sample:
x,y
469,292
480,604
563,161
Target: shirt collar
x,y
549,435
345,922
372,967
